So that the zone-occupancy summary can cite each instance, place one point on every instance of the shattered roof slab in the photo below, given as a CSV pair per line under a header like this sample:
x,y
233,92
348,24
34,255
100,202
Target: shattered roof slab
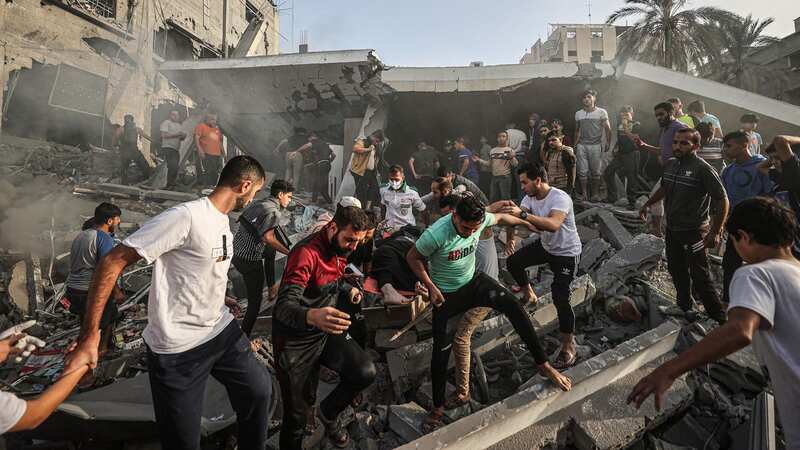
x,y
260,99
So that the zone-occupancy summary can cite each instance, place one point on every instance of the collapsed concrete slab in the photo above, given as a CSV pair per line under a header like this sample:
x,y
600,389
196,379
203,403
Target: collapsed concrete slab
x,y
408,363
640,255
612,230
513,415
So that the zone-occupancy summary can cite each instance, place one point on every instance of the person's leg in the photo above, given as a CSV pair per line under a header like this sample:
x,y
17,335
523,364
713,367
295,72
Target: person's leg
x,y
494,190
462,348
141,163
297,371
124,164
172,158
323,184
730,262
297,168
610,173
269,273
486,258
582,169
677,251
530,255
505,187
564,269
595,156
249,387
657,213
630,163
253,274
177,384
701,280
287,174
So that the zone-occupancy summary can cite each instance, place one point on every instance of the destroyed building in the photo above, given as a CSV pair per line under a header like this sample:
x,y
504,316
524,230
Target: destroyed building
x,y
627,319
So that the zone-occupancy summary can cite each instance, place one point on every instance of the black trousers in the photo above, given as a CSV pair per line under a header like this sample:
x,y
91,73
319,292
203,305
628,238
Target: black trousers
x,y
255,274
178,383
320,182
212,165
172,157
367,189
298,360
564,269
730,262
77,305
687,262
132,154
484,291
626,167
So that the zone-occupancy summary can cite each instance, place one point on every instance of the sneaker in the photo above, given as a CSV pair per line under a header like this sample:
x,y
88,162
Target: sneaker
x,y
335,430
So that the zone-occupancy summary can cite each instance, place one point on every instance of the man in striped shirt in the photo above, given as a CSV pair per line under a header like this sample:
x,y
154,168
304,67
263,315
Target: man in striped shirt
x,y
255,244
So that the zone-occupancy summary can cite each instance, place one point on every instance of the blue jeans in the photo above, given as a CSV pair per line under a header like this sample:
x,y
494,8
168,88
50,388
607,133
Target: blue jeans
x,y
178,384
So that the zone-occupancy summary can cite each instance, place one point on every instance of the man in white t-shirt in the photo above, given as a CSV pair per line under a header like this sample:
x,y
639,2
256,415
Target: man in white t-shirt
x,y
400,200
190,333
764,310
171,136
550,210
592,139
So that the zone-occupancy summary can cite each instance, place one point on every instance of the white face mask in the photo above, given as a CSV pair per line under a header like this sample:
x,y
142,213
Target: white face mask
x,y
394,184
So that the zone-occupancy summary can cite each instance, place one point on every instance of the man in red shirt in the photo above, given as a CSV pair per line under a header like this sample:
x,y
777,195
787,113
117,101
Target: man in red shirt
x,y
308,330
210,152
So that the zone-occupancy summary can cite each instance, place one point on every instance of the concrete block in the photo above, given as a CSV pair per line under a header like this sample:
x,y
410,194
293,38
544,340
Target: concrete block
x,y
406,420
593,251
612,230
583,216
383,335
587,234
641,254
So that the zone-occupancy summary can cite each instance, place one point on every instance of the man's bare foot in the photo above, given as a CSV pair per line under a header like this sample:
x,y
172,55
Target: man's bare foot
x,y
434,420
562,381
456,400
529,295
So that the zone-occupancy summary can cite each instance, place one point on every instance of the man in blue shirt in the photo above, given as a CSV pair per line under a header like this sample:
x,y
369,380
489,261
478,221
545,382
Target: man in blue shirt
x,y
466,166
88,248
742,180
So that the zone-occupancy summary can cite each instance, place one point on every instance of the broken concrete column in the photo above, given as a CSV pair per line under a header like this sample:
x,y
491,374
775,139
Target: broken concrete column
x,y
406,420
593,252
641,254
612,230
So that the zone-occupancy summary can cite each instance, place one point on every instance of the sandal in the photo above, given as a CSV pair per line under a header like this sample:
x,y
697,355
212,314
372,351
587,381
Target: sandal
x,y
433,422
564,360
335,431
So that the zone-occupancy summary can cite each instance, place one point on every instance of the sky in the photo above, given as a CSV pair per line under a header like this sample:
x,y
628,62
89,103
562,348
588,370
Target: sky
x,y
456,32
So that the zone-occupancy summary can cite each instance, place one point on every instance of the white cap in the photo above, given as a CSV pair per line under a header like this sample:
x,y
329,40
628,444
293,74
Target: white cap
x,y
350,201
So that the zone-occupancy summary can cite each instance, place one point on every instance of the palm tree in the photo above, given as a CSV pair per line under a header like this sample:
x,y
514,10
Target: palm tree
x,y
739,38
668,34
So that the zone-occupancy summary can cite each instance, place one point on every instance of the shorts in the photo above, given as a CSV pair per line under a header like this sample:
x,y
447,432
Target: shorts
x,y
589,160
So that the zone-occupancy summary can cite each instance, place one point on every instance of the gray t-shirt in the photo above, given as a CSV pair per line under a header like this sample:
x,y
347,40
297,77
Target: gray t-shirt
x,y
171,127
591,125
12,408
565,241
87,249
772,289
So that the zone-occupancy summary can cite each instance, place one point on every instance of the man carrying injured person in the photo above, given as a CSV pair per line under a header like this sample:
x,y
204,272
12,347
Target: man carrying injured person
x,y
550,211
308,330
454,287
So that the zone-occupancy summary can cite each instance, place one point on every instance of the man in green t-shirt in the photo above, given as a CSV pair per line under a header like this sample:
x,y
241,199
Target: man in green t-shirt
x,y
454,286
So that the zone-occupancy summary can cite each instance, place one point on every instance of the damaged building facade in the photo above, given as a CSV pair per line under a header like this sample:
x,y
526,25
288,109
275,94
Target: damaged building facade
x,y
72,69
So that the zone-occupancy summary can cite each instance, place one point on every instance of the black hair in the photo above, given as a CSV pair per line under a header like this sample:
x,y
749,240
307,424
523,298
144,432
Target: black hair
x,y
553,133
694,135
279,186
749,118
626,108
706,131
396,169
675,100
443,171
105,211
591,92
372,219
533,171
449,201
241,168
738,136
697,106
765,220
666,106
470,209
353,216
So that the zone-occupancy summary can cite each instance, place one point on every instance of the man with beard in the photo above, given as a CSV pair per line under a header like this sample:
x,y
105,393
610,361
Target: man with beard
x,y
88,248
690,187
190,331
308,330
550,211
454,286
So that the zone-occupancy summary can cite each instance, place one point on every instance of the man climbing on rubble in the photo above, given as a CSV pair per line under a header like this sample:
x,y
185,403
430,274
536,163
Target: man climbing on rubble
x,y
742,180
171,136
259,237
126,139
210,151
309,331
689,188
764,311
549,210
454,286
190,333
89,247
592,139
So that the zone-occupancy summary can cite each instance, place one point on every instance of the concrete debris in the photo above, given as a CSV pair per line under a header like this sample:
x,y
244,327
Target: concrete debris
x,y
639,256
406,420
613,231
594,253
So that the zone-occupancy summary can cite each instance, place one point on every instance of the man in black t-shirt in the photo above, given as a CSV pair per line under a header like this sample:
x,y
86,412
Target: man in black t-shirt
x,y
626,161
691,188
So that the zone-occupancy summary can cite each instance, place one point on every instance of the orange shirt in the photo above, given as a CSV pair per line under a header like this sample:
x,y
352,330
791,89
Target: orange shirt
x,y
210,139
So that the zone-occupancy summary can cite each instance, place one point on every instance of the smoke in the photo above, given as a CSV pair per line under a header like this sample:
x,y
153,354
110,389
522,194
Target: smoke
x,y
27,205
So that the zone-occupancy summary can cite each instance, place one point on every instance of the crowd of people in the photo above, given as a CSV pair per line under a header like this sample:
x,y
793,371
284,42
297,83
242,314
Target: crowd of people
x,y
434,237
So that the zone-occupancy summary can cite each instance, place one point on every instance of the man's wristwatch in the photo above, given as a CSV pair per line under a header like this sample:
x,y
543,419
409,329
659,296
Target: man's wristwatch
x,y
523,215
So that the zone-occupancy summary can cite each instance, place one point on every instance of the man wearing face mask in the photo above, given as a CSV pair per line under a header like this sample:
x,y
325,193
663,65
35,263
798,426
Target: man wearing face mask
x,y
400,200
190,331
690,187
308,331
